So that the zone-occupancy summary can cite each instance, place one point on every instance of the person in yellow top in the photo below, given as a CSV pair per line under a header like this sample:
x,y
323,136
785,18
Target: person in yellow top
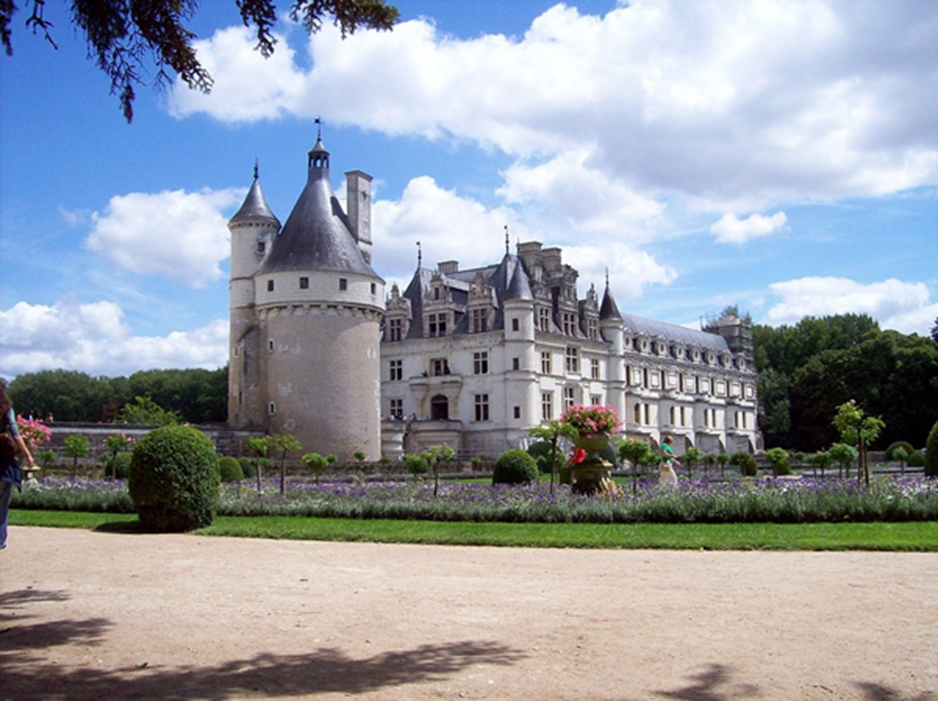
x,y
667,476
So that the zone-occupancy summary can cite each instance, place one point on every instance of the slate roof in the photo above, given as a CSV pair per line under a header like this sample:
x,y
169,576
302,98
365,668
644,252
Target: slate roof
x,y
673,332
317,234
255,207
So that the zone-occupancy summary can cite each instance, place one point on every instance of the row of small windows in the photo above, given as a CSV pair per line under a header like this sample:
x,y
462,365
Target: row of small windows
x,y
304,284
480,365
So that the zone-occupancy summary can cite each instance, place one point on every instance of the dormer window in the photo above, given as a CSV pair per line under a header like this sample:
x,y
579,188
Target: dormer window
x,y
436,324
479,320
343,283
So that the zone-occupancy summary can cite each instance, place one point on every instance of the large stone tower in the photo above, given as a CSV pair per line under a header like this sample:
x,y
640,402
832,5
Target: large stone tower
x,y
309,341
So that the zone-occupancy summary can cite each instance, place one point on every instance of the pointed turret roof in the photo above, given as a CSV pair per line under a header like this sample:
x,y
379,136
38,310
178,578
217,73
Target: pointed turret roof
x,y
254,209
317,235
609,310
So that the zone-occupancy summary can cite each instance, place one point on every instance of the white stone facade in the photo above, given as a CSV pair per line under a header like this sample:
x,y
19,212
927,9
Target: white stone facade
x,y
475,358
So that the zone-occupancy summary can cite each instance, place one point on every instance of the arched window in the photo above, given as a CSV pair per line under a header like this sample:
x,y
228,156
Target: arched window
x,y
439,408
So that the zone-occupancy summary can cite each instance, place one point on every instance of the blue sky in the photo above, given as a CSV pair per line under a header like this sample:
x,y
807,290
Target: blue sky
x,y
780,155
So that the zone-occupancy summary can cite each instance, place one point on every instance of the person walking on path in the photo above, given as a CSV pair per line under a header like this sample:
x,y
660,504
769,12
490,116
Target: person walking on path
x,y
667,476
11,476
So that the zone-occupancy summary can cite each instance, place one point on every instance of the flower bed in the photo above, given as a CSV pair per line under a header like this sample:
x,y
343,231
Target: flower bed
x,y
763,500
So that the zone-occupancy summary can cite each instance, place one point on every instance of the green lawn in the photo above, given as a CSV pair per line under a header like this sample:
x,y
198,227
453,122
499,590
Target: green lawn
x,y
904,536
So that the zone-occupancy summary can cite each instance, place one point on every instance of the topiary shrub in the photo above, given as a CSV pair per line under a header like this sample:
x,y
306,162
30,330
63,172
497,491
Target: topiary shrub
x,y
174,480
891,450
916,459
746,463
514,467
540,451
417,464
931,452
120,466
230,469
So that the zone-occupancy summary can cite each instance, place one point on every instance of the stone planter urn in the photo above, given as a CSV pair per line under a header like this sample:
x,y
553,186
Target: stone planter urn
x,y
591,476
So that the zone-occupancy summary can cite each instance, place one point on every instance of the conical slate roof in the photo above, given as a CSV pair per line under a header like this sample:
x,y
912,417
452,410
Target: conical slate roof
x,y
254,209
317,235
609,309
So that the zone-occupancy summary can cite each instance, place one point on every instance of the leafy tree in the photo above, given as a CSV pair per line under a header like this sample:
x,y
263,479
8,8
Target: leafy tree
x,y
416,463
76,446
316,463
819,460
257,449
67,395
437,455
723,459
552,432
746,463
778,457
144,410
281,444
858,429
934,331
637,453
844,455
124,37
774,389
114,444
692,456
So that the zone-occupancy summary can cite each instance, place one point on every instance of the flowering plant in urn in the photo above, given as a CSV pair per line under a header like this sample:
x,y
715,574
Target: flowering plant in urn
x,y
592,420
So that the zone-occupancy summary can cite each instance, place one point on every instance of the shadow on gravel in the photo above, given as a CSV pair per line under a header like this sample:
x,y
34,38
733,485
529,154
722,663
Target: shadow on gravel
x,y
26,676
123,527
713,684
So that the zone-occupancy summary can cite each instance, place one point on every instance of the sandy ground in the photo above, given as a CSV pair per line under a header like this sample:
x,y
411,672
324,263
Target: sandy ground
x,y
88,615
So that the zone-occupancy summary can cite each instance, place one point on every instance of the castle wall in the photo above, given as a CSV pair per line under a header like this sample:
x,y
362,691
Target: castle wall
x,y
323,370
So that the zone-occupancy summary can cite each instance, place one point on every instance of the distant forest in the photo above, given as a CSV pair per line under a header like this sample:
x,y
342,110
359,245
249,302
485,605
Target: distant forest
x,y
805,372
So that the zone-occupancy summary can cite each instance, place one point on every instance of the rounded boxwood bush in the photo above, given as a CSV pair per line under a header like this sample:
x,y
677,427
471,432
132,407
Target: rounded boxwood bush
x,y
514,467
174,480
230,469
916,459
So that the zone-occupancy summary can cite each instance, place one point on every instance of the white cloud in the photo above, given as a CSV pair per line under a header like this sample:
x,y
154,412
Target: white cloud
x,y
448,227
898,305
248,87
732,105
451,227
730,229
583,197
180,235
94,338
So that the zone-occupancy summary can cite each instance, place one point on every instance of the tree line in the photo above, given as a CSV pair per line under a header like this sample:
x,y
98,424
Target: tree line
x,y
808,370
194,396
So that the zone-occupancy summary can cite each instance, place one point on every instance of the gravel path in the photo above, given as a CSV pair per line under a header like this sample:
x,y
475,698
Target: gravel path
x,y
87,615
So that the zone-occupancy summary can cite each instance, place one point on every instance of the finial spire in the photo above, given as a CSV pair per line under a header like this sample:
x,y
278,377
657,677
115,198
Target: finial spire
x,y
419,256
507,241
607,278
318,121
255,168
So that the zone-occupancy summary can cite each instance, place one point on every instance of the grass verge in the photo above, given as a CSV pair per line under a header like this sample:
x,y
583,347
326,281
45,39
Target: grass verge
x,y
902,536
